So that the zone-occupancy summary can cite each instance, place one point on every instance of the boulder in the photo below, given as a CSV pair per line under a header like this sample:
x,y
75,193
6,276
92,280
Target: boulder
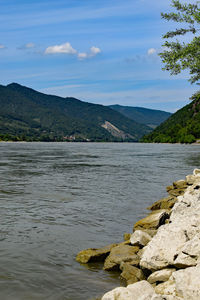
x,y
127,236
93,254
160,276
130,273
196,172
176,192
167,248
184,284
190,179
161,250
119,254
180,184
140,238
166,288
120,293
153,220
164,297
164,203
187,283
169,188
141,290
138,291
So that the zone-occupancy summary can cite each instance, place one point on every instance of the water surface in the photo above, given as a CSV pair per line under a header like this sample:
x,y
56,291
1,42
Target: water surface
x,y
59,198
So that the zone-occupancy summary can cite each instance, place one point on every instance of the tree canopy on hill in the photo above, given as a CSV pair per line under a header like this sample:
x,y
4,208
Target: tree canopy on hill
x,y
181,127
28,115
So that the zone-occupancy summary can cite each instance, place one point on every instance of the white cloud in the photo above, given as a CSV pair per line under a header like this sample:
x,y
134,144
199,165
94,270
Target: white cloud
x,y
82,55
29,45
2,46
93,52
66,48
151,51
63,48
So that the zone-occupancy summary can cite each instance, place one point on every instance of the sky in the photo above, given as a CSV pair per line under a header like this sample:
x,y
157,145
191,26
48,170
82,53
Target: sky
x,y
99,51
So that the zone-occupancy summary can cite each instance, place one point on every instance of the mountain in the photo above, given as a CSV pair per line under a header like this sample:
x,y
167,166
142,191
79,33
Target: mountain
x,y
29,115
182,127
149,117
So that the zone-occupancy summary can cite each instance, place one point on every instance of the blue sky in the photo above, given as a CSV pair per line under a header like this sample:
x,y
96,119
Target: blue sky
x,y
100,51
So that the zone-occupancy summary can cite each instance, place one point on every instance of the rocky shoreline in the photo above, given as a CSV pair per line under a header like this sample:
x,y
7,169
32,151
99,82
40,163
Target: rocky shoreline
x,y
160,260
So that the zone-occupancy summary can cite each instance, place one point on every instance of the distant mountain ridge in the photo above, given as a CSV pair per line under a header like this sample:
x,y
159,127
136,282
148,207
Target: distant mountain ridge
x,y
29,115
149,117
182,127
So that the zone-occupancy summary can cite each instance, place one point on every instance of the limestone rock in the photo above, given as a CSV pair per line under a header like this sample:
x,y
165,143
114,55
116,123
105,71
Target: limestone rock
x,y
166,288
169,188
176,192
190,179
130,273
160,251
119,254
168,246
141,290
127,236
180,184
183,261
165,297
164,203
140,238
138,291
94,254
153,220
160,276
120,293
187,283
196,172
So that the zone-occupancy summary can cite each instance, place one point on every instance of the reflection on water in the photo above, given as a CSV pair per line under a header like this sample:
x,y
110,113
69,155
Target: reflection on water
x,y
60,198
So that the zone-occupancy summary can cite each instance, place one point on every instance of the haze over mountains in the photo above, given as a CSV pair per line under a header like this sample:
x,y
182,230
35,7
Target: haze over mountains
x,y
29,115
149,117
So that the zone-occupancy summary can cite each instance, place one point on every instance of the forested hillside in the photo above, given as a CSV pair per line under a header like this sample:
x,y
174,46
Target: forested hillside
x,y
29,115
150,117
181,127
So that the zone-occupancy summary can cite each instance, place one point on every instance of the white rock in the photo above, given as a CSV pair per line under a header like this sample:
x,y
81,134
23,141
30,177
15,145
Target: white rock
x,y
160,251
168,246
190,179
166,288
160,276
183,261
138,291
141,290
140,238
165,297
120,293
196,172
187,283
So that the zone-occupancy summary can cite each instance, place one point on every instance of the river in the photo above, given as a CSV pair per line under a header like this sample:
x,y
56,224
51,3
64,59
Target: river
x,y
59,198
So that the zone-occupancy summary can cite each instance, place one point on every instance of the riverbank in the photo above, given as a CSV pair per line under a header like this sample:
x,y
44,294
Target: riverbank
x,y
161,259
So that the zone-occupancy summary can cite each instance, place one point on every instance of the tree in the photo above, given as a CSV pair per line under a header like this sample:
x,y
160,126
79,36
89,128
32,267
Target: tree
x,y
179,55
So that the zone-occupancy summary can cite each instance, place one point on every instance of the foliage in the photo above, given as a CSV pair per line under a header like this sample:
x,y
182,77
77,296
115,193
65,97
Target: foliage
x,y
179,55
143,115
27,115
181,127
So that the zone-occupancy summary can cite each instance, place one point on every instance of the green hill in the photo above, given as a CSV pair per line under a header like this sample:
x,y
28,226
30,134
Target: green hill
x,y
150,117
32,116
182,127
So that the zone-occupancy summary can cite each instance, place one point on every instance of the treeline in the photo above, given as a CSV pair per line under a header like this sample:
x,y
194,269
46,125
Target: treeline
x,y
181,127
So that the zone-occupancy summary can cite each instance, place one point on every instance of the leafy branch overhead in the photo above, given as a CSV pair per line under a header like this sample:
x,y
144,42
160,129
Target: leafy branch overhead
x,y
178,55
